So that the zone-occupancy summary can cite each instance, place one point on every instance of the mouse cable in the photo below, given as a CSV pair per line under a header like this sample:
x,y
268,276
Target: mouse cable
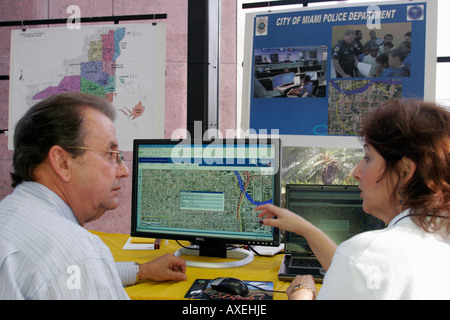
x,y
262,289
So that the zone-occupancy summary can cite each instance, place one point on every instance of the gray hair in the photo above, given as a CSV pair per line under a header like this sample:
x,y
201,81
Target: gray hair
x,y
56,120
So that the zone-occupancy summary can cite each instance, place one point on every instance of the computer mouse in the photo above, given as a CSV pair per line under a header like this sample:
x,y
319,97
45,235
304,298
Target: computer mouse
x,y
230,285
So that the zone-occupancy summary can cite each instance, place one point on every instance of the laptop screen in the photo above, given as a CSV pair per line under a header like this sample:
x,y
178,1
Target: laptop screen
x,y
336,210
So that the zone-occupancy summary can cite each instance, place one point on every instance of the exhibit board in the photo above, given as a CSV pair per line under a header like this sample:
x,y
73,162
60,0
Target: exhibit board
x,y
124,63
285,49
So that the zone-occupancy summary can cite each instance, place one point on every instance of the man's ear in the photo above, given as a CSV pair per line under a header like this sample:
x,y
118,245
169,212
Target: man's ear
x,y
407,169
61,162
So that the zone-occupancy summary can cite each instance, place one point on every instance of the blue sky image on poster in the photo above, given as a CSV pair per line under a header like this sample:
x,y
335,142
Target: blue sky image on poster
x,y
312,76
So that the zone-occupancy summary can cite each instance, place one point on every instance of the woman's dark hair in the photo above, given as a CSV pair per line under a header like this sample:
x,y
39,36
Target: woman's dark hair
x,y
56,120
419,131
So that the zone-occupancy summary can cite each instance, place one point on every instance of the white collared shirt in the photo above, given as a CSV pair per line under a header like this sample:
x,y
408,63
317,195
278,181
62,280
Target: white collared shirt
x,y
46,254
401,261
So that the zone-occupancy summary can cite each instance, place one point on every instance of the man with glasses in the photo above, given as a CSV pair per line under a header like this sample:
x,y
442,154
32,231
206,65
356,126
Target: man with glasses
x,y
67,172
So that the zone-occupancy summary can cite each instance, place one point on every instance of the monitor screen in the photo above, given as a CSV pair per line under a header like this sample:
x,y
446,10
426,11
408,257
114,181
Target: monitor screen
x,y
312,75
205,192
282,79
335,209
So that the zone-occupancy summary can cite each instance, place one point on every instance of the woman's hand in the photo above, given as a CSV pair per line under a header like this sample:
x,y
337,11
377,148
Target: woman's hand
x,y
322,246
302,288
285,219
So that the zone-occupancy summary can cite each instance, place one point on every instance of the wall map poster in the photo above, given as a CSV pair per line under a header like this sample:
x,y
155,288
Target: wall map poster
x,y
119,62
315,72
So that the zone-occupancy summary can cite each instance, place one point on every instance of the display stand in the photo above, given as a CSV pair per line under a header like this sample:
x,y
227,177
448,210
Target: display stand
x,y
244,256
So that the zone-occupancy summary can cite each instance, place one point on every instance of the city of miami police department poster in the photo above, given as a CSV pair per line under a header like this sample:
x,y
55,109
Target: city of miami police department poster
x,y
288,49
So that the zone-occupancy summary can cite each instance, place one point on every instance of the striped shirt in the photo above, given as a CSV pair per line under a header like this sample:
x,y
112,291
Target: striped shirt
x,y
46,254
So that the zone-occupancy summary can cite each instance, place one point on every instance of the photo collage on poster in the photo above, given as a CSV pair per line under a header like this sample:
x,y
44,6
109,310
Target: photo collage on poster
x,y
315,72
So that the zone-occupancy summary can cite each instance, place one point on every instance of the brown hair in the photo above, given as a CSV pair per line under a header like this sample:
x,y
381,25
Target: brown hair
x,y
419,131
56,120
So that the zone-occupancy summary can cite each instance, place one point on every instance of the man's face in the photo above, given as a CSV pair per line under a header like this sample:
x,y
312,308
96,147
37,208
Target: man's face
x,y
349,38
97,175
374,52
388,39
405,49
393,61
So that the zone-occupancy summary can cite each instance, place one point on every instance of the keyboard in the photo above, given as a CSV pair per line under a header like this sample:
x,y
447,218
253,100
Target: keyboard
x,y
305,262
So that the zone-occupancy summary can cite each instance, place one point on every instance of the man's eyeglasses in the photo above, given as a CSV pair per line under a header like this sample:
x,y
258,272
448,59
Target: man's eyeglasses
x,y
119,154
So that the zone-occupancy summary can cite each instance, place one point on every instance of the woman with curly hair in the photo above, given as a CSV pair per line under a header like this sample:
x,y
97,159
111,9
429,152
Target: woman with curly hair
x,y
404,180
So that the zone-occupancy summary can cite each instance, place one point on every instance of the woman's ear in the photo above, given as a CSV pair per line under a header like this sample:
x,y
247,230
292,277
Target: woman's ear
x,y
407,169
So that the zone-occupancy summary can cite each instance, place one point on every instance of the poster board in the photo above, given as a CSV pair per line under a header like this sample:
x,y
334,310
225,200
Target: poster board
x,y
124,63
284,46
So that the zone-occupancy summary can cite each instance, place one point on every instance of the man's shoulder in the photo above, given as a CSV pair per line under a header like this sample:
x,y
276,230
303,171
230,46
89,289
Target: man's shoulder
x,y
43,227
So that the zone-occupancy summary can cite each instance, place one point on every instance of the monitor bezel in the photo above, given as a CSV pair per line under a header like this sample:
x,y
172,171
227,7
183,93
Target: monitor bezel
x,y
210,239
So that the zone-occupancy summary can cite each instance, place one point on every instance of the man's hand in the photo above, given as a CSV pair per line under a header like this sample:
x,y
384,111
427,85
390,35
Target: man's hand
x,y
166,267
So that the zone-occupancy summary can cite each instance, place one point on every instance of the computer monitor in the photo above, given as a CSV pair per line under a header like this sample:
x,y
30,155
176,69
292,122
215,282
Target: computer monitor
x,y
282,79
205,192
312,75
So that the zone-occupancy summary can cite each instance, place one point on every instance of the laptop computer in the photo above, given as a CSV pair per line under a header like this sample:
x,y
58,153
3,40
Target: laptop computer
x,y
336,210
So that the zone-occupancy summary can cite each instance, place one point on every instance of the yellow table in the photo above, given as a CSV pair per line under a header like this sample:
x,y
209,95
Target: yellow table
x,y
260,269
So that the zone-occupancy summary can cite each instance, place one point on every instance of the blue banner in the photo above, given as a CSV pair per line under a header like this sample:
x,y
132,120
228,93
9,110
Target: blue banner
x,y
316,72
